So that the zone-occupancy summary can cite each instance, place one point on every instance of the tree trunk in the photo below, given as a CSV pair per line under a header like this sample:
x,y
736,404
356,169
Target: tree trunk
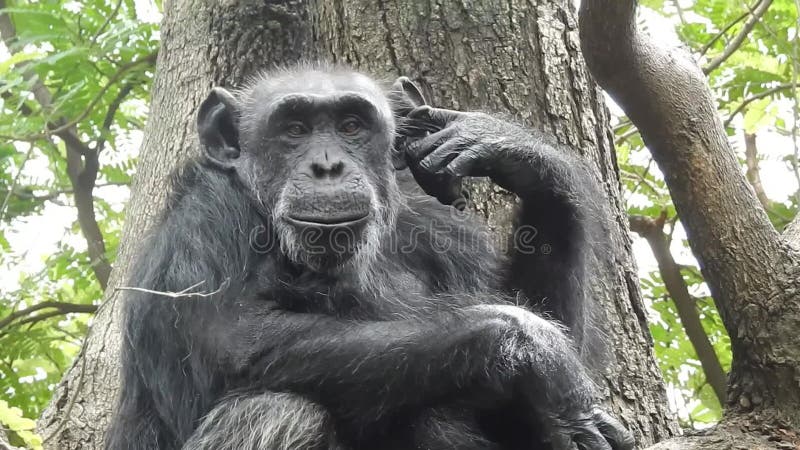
x,y
517,57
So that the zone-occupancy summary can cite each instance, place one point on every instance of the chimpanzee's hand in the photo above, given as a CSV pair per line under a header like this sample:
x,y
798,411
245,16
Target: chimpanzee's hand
x,y
404,97
445,187
471,144
595,430
549,380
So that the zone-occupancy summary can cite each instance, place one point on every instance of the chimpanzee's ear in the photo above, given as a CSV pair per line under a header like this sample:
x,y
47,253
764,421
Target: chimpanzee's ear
x,y
218,128
404,96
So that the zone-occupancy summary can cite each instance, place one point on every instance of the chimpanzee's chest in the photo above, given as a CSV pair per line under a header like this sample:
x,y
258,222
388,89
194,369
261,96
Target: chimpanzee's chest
x,y
372,297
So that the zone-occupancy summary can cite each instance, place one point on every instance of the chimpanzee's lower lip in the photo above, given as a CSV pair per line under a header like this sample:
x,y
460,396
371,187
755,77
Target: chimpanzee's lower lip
x,y
328,222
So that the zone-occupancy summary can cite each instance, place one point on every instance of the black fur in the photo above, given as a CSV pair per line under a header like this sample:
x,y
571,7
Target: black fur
x,y
417,346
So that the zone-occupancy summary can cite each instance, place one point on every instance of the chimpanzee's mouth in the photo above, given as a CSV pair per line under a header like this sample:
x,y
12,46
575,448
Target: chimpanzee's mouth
x,y
329,221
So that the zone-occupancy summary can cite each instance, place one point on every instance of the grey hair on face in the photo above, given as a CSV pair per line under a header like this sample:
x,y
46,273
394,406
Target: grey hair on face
x,y
368,245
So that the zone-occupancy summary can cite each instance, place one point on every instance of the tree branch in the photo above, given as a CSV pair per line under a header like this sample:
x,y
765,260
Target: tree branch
x,y
792,232
795,104
32,320
653,231
109,118
14,182
108,20
759,96
737,41
52,195
722,32
666,96
753,173
679,10
60,307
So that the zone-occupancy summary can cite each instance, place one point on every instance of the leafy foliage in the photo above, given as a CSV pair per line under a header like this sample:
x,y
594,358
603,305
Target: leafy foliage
x,y
74,82
20,428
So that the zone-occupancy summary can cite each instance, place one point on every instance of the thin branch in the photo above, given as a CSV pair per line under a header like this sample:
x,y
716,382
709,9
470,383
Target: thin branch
x,y
759,96
644,175
109,118
622,138
753,173
623,123
653,231
149,59
633,175
737,41
14,182
722,32
679,10
31,321
107,21
55,193
60,307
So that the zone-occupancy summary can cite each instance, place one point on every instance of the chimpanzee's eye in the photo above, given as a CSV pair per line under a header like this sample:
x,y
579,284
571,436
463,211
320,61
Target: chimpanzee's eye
x,y
350,126
296,129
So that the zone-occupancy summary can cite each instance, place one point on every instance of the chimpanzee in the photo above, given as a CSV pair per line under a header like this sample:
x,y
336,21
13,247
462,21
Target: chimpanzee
x,y
302,292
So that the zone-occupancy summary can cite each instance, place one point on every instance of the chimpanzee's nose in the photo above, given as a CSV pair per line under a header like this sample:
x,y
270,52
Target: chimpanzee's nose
x,y
327,164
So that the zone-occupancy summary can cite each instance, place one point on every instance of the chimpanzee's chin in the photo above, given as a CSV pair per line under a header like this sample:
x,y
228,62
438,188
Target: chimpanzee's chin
x,y
328,262
325,247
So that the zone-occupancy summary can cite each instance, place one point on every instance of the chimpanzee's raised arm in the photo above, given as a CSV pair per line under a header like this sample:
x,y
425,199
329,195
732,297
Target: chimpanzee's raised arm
x,y
556,190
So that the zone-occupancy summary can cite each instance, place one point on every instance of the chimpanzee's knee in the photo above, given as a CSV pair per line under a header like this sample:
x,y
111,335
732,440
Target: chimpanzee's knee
x,y
267,421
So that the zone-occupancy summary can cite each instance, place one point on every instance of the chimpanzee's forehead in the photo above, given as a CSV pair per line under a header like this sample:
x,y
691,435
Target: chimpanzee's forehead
x,y
316,83
269,90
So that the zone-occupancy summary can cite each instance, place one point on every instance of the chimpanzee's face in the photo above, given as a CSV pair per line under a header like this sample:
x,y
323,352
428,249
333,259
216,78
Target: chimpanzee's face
x,y
314,150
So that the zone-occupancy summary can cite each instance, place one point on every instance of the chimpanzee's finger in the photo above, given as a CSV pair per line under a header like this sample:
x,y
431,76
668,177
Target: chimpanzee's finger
x,y
560,440
445,188
588,437
466,164
421,148
441,156
408,126
616,434
438,116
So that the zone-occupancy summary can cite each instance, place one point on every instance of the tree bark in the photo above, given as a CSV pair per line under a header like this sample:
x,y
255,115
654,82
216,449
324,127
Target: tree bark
x,y
752,271
517,57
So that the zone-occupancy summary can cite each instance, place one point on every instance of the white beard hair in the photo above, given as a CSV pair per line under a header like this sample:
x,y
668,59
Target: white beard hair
x,y
368,249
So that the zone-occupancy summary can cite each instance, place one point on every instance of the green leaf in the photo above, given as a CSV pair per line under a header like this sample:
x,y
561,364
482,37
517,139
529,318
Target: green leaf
x,y
17,58
23,427
760,113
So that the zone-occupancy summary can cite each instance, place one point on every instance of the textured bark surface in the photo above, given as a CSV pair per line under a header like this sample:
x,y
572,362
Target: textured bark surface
x,y
517,57
753,272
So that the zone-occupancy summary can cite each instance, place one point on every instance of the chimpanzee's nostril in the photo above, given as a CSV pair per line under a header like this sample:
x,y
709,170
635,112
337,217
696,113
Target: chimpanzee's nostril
x,y
318,170
337,168
323,169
